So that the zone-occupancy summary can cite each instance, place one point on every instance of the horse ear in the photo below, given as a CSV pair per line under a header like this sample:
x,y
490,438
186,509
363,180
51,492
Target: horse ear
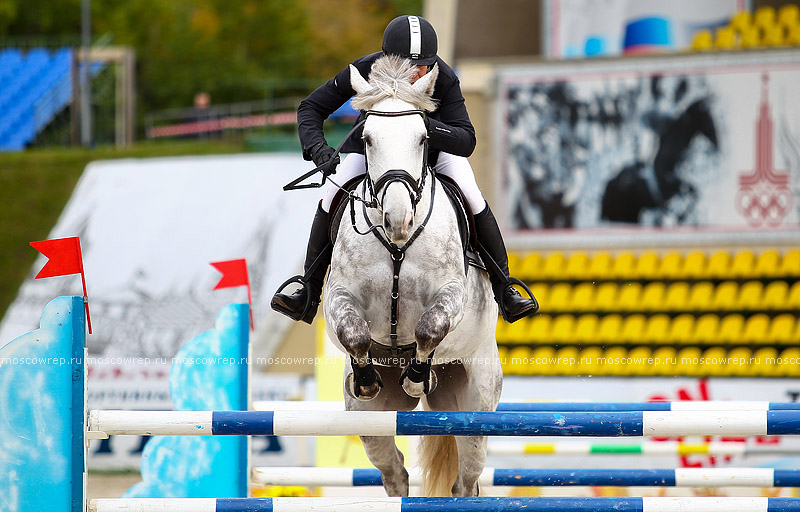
x,y
359,84
427,83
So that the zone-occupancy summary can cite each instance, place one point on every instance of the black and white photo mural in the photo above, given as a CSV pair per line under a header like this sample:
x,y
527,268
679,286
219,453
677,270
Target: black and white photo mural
x,y
661,142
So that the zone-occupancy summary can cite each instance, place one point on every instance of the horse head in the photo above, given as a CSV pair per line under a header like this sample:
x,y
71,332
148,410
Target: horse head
x,y
395,138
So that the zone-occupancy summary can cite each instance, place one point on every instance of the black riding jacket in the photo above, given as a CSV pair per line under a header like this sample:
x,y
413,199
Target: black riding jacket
x,y
449,126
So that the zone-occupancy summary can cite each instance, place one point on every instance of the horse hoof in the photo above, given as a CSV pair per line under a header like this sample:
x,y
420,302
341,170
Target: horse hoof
x,y
417,389
365,393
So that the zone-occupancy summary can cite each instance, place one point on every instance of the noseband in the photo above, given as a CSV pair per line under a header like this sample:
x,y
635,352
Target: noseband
x,y
413,186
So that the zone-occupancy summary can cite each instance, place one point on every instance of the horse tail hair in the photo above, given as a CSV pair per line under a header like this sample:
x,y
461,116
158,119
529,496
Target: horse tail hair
x,y
438,457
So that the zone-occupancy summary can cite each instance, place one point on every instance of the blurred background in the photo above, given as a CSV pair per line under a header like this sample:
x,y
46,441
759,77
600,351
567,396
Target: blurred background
x,y
642,158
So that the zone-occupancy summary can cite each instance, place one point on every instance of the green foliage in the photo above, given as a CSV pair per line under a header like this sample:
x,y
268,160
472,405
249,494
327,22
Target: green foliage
x,y
236,50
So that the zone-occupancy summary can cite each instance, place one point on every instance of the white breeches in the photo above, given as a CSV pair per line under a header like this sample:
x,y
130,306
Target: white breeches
x,y
452,166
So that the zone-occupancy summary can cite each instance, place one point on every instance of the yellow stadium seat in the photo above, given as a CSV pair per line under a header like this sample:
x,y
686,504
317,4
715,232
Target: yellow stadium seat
x,y
793,297
502,353
585,328
743,265
517,362
638,361
628,297
539,330
567,361
577,266
518,333
782,329
768,264
514,263
553,266
614,361
719,264
544,360
540,291
764,16
694,265
605,298
790,264
765,363
657,329
653,296
646,266
583,297
677,296
600,266
750,295
789,15
680,329
558,297
725,38
774,35
705,328
775,295
739,362
530,267
609,329
624,266
500,331
561,329
700,296
664,361
750,37
789,365
688,362
756,329
633,329
741,20
725,296
715,362
730,329
589,363
671,266
702,41
793,37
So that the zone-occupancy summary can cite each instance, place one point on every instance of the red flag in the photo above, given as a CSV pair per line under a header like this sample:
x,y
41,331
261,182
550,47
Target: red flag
x,y
234,273
63,259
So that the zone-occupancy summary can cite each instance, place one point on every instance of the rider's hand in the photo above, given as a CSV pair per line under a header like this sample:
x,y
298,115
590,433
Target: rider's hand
x,y
324,155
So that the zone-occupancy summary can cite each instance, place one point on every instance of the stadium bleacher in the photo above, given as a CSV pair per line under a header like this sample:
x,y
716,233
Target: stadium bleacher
x,y
673,313
34,87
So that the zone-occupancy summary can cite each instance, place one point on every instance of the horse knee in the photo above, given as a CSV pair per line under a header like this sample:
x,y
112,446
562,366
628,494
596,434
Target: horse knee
x,y
354,335
432,327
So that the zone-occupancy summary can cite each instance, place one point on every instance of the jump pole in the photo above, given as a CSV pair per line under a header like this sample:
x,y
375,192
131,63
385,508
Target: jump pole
x,y
391,423
700,405
682,477
479,504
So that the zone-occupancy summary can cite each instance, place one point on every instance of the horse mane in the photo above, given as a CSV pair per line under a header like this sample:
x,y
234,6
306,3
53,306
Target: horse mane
x,y
390,77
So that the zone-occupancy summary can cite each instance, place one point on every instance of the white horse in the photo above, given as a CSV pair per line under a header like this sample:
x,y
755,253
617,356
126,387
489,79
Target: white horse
x,y
414,255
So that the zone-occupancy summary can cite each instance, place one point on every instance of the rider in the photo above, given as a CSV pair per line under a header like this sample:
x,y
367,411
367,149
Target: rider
x,y
451,141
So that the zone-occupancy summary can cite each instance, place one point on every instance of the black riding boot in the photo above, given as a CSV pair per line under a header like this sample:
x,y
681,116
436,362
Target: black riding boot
x,y
318,258
513,306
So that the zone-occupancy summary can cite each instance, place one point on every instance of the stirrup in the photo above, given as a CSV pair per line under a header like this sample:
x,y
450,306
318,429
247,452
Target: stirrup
x,y
508,317
291,314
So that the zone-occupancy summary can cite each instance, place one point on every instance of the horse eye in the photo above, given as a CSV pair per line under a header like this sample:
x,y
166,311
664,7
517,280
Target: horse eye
x,y
422,140
367,140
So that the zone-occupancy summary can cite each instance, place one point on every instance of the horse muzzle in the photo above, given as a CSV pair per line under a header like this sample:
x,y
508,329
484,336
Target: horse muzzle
x,y
398,226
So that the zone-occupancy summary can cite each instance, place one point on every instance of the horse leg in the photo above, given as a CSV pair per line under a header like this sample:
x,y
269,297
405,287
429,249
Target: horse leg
x,y
352,331
382,451
434,324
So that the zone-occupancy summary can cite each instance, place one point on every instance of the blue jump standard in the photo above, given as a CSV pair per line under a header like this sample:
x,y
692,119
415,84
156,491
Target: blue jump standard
x,y
482,504
590,424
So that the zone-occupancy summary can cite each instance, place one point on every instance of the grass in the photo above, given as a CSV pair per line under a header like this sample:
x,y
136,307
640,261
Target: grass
x,y
35,186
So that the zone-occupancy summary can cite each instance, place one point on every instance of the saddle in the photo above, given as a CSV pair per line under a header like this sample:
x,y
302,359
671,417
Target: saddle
x,y
464,217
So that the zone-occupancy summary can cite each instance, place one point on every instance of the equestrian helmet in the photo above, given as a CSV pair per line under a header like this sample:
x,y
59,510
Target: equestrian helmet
x,y
412,37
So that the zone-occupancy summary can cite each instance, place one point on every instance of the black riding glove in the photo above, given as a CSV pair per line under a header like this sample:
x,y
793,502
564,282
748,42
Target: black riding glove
x,y
321,154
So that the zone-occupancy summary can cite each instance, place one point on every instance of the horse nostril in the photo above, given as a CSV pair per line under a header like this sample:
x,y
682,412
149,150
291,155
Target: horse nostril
x,y
411,223
387,223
